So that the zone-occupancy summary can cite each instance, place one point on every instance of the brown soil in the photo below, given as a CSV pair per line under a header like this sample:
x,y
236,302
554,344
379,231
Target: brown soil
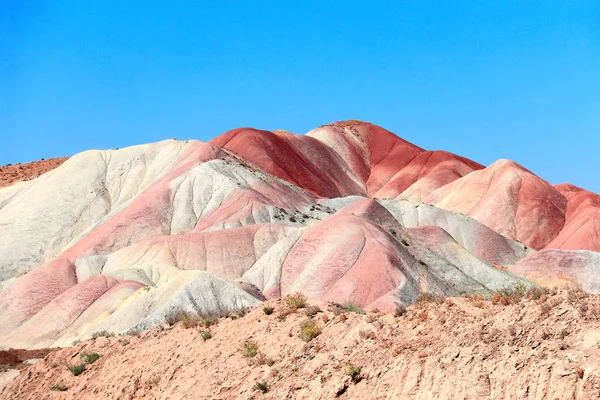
x,y
463,348
11,359
10,174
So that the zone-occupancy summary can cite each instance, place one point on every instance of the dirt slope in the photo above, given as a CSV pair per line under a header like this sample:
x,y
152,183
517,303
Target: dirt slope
x,y
544,348
10,174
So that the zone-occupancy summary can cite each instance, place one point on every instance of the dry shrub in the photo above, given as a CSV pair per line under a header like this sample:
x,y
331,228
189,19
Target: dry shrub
x,y
546,335
400,310
536,292
262,359
476,297
309,330
343,317
249,349
311,311
545,309
366,334
510,295
423,354
371,318
190,320
355,308
542,299
284,312
421,317
428,298
336,309
496,298
206,335
105,334
295,301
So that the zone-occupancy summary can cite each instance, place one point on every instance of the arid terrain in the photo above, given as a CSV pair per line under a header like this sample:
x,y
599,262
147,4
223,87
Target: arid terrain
x,y
106,251
543,346
10,174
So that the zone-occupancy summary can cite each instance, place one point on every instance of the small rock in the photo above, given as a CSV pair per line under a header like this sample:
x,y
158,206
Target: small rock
x,y
32,361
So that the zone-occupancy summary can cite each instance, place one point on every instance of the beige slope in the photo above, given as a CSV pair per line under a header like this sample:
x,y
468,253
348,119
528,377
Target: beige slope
x,y
461,349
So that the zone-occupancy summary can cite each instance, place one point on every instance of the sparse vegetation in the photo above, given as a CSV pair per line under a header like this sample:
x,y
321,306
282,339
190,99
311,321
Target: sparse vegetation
x,y
268,310
133,332
124,342
400,310
105,334
77,369
353,372
58,387
249,349
206,335
422,317
188,320
311,311
262,359
261,386
295,301
284,312
535,293
351,307
89,358
366,334
427,298
545,309
309,330
240,313
191,320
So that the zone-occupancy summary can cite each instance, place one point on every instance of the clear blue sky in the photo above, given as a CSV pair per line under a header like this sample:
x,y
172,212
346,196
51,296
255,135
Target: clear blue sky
x,y
484,79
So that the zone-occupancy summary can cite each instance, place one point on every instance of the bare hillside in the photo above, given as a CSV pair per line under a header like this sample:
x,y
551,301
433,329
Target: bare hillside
x,y
538,346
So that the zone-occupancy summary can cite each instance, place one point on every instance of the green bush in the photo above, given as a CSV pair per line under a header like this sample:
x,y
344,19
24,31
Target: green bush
x,y
249,349
58,387
354,308
77,369
89,358
262,386
353,372
268,310
105,334
206,335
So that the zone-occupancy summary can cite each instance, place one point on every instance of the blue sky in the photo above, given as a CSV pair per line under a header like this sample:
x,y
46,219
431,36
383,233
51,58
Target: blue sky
x,y
483,79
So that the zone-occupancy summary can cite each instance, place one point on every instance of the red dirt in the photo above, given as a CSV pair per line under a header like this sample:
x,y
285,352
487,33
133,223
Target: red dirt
x,y
11,174
12,358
